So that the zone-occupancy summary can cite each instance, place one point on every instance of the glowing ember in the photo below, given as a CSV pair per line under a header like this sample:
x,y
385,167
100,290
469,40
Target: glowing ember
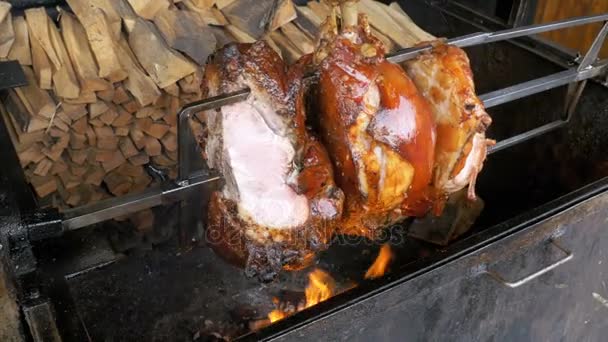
x,y
321,286
378,268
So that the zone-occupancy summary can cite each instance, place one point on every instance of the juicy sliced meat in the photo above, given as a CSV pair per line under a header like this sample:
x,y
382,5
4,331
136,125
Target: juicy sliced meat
x,y
279,203
444,77
378,128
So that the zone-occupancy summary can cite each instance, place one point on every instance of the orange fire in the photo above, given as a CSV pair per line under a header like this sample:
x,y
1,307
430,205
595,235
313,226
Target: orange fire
x,y
378,268
321,286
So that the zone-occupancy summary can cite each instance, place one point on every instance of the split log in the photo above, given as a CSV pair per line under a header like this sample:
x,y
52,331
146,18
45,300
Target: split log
x,y
77,170
138,137
80,53
148,9
121,131
115,11
106,95
282,13
151,128
222,36
58,167
185,33
146,112
152,146
169,142
140,159
290,52
298,38
94,176
109,116
115,162
209,16
20,50
306,25
117,183
44,186
131,106
97,108
172,89
203,3
77,141
84,97
80,126
321,10
36,101
42,65
43,167
220,4
38,27
123,119
140,85
74,111
65,82
7,33
162,161
240,35
127,148
78,156
250,16
31,155
311,17
128,169
160,62
191,84
120,95
102,39
68,180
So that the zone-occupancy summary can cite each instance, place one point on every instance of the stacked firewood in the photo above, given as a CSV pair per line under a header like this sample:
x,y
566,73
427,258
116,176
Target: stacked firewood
x,y
107,79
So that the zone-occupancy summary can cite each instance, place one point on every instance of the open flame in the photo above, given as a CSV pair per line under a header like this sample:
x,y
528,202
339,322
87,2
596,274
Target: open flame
x,y
378,268
321,286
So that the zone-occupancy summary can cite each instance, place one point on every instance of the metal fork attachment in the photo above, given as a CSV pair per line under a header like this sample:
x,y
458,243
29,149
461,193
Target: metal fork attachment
x,y
190,178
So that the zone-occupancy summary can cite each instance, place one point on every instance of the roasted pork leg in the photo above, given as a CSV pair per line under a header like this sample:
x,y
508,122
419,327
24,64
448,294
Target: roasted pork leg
x,y
378,128
278,204
445,79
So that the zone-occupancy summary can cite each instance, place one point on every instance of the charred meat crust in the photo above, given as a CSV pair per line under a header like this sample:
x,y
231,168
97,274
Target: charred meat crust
x,y
260,251
264,251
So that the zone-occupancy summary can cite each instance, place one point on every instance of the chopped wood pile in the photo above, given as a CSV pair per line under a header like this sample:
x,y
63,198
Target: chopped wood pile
x,y
107,79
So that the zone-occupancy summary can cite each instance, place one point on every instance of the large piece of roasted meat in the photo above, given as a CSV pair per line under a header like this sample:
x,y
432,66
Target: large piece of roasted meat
x,y
401,143
445,79
278,203
377,127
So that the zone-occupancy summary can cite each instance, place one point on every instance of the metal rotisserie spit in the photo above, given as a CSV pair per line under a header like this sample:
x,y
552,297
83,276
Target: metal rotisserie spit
x,y
80,274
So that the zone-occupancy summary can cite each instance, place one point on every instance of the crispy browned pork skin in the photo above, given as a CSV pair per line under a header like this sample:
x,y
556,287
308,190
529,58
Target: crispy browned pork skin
x,y
378,128
278,204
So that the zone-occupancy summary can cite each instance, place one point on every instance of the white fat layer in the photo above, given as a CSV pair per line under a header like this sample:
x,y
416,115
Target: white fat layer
x,y
260,162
